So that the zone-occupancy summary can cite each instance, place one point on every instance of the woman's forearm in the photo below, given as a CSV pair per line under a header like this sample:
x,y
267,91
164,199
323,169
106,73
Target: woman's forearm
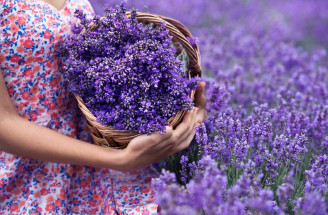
x,y
21,137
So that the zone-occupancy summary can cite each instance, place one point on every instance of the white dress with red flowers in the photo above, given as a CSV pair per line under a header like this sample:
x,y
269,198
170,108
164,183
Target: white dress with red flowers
x,y
30,33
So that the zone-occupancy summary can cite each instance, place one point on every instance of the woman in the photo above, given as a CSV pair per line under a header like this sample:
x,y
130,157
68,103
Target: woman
x,y
46,163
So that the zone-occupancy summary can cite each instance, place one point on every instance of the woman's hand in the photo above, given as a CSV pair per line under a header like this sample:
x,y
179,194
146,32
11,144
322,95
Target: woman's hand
x,y
145,149
200,102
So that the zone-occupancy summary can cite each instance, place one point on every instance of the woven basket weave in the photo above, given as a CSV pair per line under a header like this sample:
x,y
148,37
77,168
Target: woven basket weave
x,y
107,135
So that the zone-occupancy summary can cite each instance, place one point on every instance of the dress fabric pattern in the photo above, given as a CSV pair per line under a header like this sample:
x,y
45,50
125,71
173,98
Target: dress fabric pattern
x,y
31,32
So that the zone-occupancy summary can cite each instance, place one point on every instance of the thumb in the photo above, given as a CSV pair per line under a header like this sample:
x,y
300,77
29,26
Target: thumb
x,y
200,100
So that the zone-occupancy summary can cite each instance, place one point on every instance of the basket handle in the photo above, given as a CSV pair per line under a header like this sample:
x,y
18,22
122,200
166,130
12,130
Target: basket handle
x,y
195,66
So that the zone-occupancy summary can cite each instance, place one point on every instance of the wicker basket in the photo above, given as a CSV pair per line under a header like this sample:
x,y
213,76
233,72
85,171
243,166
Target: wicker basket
x,y
107,135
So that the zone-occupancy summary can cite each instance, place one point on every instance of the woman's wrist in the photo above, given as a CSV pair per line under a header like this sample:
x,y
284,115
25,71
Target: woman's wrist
x,y
116,159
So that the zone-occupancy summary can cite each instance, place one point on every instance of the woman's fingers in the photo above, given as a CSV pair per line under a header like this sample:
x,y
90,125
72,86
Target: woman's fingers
x,y
186,143
183,135
186,139
162,137
201,116
146,140
190,127
200,100
183,126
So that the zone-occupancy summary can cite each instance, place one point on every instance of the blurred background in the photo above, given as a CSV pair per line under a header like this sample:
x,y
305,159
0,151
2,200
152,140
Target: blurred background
x,y
303,21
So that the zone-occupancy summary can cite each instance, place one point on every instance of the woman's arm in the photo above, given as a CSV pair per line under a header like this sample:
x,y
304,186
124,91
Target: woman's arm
x,y
21,137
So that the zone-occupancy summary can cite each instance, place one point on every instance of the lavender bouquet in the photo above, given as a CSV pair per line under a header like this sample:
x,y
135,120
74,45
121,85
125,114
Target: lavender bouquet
x,y
128,74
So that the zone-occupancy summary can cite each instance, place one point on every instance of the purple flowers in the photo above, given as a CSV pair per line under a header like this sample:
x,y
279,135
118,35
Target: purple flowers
x,y
207,193
127,73
263,148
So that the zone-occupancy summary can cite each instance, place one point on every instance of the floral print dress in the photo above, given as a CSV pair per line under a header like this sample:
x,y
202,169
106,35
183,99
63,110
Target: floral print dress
x,y
30,33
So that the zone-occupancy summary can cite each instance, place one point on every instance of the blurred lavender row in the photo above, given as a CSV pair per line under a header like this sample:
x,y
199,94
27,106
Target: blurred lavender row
x,y
263,149
300,20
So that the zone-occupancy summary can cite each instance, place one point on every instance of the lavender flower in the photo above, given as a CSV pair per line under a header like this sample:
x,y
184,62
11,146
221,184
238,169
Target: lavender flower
x,y
285,192
201,135
317,176
207,193
312,203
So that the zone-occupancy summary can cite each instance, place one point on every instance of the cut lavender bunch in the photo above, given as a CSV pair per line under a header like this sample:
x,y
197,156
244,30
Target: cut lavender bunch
x,y
127,73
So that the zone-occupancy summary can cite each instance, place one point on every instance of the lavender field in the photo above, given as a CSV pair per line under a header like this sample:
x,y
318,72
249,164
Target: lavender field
x,y
264,147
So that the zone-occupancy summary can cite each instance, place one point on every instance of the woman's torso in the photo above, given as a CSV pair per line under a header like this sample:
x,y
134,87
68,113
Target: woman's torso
x,y
31,33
